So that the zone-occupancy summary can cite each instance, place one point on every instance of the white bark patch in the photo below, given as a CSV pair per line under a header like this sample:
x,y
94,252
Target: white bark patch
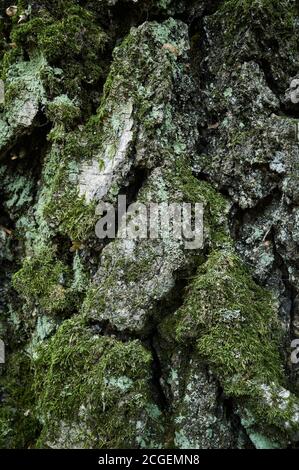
x,y
97,177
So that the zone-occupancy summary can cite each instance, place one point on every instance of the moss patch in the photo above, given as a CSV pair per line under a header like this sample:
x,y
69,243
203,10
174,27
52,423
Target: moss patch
x,y
233,325
282,12
98,381
46,281
18,426
69,37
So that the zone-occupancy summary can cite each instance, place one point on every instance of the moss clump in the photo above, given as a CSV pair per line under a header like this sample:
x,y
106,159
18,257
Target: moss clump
x,y
63,111
232,323
257,13
71,215
69,37
194,191
45,281
97,382
73,35
282,12
18,427
234,319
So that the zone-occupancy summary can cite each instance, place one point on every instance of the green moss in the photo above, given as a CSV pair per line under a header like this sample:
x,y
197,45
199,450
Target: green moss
x,y
239,303
245,7
44,280
18,426
195,191
69,213
63,111
232,323
99,382
68,37
240,12
50,282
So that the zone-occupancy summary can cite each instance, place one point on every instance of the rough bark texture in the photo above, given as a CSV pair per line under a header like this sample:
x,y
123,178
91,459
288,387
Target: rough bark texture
x,y
141,343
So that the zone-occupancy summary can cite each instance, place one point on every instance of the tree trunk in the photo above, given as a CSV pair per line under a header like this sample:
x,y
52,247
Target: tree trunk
x,y
120,118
